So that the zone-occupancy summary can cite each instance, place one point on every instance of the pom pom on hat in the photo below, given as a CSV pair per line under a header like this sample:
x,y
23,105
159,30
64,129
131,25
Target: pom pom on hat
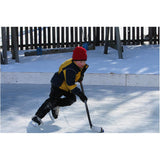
x,y
79,54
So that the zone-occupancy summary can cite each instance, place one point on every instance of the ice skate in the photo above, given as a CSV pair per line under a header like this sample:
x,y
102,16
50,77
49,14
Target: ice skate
x,y
55,112
36,121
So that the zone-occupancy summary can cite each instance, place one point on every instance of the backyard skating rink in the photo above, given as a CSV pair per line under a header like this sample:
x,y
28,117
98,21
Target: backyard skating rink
x,y
118,109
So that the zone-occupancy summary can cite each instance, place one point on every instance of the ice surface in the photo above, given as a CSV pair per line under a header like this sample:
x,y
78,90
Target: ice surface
x,y
116,109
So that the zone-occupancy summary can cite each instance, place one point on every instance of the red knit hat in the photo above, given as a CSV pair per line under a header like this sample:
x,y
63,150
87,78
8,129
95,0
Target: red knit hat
x,y
79,54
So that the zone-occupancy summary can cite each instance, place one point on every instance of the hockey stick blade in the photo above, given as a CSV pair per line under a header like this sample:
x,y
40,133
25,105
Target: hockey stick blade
x,y
97,129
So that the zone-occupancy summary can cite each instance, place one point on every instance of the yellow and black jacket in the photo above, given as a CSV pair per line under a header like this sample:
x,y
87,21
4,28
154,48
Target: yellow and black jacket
x,y
69,73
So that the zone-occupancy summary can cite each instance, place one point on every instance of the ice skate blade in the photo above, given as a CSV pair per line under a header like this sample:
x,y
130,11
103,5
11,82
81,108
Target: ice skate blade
x,y
34,124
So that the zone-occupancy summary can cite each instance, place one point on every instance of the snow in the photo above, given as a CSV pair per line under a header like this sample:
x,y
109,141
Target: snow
x,y
117,109
137,60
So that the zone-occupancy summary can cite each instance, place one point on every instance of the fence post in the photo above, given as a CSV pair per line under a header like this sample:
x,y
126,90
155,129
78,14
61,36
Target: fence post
x,y
4,46
116,46
26,37
8,44
21,38
118,42
2,61
15,43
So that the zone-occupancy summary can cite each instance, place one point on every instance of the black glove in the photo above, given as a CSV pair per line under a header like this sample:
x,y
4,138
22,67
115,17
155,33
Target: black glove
x,y
83,97
78,92
81,78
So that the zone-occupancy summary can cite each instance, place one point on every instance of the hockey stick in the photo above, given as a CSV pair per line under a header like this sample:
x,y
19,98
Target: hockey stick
x,y
94,128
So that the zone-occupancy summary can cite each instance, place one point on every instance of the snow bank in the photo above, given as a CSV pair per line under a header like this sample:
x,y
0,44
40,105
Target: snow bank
x,y
140,67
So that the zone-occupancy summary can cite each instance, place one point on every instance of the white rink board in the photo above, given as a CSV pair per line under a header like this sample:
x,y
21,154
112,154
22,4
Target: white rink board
x,y
146,80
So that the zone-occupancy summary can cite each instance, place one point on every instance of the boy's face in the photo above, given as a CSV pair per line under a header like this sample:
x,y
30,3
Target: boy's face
x,y
80,64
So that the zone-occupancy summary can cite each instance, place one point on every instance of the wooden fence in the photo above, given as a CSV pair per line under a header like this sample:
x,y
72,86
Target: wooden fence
x,y
62,37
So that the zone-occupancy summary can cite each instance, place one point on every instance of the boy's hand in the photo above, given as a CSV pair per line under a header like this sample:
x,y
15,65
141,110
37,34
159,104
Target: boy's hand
x,y
80,79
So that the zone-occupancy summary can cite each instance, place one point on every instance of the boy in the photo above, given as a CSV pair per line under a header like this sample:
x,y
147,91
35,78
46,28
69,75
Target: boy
x,y
63,84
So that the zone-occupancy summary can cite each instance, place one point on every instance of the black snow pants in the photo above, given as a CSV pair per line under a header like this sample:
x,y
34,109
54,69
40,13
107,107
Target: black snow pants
x,y
57,97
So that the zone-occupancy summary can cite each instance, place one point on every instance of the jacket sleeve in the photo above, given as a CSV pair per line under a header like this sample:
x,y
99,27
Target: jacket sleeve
x,y
70,78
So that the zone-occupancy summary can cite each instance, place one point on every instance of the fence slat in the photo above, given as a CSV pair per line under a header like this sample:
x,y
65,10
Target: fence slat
x,y
80,35
21,38
111,35
40,36
158,35
44,37
97,34
67,36
142,35
31,37
102,35
138,40
85,34
129,35
72,35
62,36
124,36
8,39
133,36
49,37
35,37
53,37
4,46
76,36
58,38
26,38
94,36
89,35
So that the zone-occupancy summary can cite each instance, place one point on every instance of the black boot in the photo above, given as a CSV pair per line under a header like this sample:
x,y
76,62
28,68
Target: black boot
x,y
45,108
55,112
36,121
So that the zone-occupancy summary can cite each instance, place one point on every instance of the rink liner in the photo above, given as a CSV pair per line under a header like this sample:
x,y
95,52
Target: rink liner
x,y
145,80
